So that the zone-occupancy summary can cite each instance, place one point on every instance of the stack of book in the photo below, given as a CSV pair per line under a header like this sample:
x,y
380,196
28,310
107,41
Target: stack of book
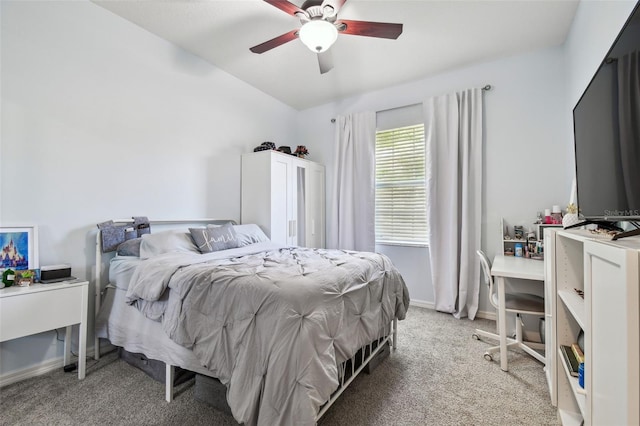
x,y
578,353
573,357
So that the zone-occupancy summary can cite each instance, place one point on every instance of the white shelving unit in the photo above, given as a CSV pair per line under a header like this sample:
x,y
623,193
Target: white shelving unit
x,y
568,250
575,304
509,244
507,229
550,348
608,274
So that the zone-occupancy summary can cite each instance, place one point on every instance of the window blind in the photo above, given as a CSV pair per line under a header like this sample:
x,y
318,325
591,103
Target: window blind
x,y
401,215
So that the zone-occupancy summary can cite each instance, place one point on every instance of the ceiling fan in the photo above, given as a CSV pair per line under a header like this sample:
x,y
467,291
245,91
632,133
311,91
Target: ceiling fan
x,y
320,28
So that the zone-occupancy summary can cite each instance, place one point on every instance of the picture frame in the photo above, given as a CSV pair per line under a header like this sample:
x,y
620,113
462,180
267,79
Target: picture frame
x,y
19,247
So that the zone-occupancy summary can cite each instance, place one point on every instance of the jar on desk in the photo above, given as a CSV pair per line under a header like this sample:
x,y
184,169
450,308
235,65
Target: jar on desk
x,y
519,250
556,215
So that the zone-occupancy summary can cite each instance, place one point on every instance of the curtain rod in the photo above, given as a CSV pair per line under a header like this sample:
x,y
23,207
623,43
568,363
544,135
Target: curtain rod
x,y
485,88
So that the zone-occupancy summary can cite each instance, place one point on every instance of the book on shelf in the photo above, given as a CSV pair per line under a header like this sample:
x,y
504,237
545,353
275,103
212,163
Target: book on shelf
x,y
570,359
578,353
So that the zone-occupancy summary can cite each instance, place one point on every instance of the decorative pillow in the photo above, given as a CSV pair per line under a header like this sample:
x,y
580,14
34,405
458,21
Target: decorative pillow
x,y
249,234
130,248
214,238
165,242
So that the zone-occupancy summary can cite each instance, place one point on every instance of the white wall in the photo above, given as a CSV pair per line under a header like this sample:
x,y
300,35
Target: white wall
x,y
526,159
594,29
101,120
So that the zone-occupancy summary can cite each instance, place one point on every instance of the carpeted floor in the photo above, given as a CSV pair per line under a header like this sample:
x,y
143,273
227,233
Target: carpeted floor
x,y
438,376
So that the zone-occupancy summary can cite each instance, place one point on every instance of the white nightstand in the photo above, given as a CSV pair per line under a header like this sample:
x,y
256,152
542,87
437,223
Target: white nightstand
x,y
41,307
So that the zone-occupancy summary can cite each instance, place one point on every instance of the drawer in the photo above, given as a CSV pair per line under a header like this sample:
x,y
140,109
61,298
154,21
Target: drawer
x,y
34,312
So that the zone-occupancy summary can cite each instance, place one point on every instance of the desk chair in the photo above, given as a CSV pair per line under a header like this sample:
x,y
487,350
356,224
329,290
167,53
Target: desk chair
x,y
518,303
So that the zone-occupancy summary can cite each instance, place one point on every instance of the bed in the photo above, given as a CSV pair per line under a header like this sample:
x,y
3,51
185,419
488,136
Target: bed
x,y
285,329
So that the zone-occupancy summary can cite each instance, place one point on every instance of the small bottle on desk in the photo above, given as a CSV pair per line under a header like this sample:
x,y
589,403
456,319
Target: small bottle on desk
x,y
518,250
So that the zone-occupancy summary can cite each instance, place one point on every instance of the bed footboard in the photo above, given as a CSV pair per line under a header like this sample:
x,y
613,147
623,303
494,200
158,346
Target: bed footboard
x,y
350,369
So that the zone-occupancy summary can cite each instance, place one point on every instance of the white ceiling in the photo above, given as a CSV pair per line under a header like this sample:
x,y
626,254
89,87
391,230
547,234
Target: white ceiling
x,y
438,36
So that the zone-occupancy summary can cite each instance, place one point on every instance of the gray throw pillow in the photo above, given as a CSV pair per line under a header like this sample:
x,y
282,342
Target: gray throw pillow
x,y
130,248
214,238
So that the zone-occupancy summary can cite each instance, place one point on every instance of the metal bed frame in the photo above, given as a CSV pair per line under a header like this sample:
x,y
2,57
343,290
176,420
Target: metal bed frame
x,y
347,370
343,369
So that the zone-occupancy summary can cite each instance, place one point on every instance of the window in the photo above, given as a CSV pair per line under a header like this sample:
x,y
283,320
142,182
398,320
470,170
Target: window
x,y
401,216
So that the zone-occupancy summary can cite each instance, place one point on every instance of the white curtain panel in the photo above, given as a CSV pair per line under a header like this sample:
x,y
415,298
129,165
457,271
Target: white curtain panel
x,y
353,209
453,133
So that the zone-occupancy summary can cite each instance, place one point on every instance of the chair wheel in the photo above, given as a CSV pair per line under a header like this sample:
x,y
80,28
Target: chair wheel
x,y
488,357
475,336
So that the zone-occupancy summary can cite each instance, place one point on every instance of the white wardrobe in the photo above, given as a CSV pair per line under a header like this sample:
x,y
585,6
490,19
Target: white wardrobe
x,y
285,196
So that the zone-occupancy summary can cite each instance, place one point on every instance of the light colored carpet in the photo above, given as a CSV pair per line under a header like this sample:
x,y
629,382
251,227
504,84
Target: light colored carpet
x,y
438,376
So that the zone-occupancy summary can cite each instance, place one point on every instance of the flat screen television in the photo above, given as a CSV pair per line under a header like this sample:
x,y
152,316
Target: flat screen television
x,y
606,122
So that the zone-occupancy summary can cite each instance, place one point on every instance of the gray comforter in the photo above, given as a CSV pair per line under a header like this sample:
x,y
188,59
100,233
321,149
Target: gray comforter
x,y
273,325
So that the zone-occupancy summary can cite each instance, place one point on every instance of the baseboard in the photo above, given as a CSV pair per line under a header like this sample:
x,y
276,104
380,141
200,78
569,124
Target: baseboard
x,y
36,370
486,315
491,315
422,304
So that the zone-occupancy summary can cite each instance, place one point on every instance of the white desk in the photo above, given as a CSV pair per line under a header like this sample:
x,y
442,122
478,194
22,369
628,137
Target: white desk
x,y
41,307
512,267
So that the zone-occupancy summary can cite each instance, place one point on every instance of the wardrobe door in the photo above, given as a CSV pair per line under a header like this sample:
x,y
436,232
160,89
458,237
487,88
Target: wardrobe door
x,y
315,206
281,200
301,204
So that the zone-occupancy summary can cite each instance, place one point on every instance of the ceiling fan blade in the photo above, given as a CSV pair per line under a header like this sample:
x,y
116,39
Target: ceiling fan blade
x,y
275,42
369,29
325,60
286,6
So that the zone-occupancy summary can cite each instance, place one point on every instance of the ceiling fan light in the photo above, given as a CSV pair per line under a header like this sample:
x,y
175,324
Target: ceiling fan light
x,y
318,35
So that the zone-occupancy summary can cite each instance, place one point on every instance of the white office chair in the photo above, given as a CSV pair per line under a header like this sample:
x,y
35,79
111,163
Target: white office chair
x,y
518,303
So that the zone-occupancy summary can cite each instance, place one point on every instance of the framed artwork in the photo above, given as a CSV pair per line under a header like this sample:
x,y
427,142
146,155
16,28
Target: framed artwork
x,y
19,247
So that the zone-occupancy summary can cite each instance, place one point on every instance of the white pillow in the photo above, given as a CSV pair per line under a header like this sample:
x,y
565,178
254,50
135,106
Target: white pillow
x,y
249,234
165,242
